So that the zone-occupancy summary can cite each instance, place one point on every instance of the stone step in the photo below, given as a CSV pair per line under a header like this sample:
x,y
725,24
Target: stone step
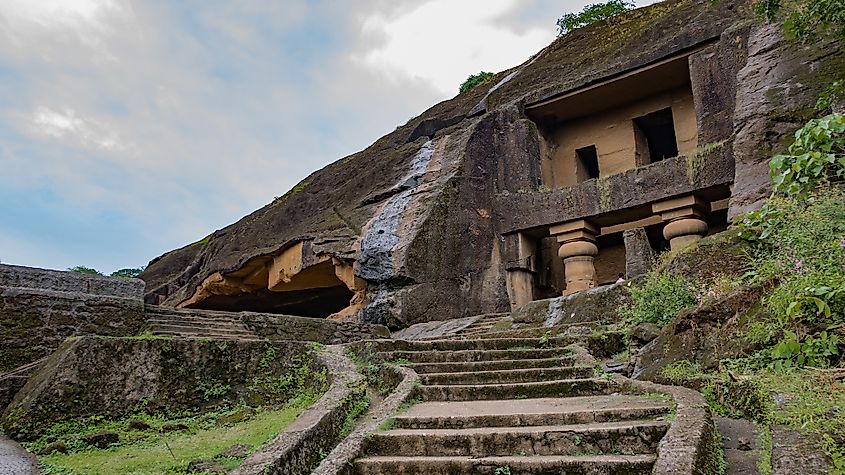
x,y
628,437
171,330
530,412
208,324
537,331
196,329
461,367
435,356
478,392
536,465
492,316
508,376
208,337
485,344
190,317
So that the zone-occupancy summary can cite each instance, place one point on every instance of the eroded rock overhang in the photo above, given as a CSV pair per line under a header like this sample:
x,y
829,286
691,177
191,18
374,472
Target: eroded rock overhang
x,y
300,280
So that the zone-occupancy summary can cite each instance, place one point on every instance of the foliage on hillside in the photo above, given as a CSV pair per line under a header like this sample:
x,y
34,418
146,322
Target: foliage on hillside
x,y
798,254
591,14
805,19
475,80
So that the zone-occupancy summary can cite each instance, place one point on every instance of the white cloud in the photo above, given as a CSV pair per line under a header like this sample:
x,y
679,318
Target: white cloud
x,y
443,41
87,21
66,126
165,119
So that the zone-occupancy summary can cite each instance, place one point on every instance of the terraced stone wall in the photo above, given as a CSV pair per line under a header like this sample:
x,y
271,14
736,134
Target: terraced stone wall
x,y
40,308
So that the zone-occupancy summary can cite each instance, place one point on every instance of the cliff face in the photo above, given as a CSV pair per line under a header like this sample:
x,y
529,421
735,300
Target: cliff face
x,y
413,227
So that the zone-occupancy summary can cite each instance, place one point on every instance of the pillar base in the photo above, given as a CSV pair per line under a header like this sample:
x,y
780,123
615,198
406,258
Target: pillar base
x,y
683,232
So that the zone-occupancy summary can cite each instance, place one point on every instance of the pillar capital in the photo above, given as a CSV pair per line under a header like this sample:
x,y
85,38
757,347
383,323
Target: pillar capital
x,y
689,206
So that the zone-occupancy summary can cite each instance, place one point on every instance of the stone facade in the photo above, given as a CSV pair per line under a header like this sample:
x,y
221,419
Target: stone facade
x,y
41,308
521,189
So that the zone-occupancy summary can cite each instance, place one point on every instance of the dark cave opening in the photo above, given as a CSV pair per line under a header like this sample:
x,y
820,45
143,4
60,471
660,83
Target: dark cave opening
x,y
314,302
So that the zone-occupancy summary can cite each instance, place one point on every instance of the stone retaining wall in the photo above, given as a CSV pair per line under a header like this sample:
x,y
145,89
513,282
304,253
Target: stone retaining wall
x,y
297,450
113,377
40,308
328,332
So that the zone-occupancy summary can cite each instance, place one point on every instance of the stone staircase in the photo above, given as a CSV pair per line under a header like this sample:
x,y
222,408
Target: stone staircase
x,y
214,325
507,406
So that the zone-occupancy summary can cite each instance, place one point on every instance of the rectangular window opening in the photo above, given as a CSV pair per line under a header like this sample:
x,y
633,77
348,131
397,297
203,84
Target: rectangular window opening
x,y
588,163
655,137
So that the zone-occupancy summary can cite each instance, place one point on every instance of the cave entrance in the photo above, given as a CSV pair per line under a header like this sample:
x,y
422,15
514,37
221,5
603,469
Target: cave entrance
x,y
316,303
298,281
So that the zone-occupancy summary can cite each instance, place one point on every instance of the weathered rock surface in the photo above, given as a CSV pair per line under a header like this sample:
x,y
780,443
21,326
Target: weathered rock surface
x,y
796,453
776,92
601,304
421,212
91,376
704,335
206,466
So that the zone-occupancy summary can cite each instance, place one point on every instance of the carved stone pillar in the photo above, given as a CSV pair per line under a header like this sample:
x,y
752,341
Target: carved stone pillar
x,y
577,249
684,220
519,264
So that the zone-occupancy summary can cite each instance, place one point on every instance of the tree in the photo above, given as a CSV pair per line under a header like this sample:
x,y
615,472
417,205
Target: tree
x,y
129,272
475,80
591,14
85,270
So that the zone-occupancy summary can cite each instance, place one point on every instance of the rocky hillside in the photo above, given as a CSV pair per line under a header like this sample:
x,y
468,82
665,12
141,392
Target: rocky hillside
x,y
418,213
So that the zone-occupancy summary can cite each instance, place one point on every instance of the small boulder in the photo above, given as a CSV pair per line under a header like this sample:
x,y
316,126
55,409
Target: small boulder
x,y
136,424
205,466
237,451
101,440
235,417
173,427
645,332
53,448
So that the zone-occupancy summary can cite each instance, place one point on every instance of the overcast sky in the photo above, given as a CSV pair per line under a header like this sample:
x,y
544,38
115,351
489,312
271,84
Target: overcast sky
x,y
130,128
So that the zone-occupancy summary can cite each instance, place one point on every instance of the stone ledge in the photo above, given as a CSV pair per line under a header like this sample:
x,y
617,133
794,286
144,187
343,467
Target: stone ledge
x,y
339,461
297,449
707,170
72,282
692,444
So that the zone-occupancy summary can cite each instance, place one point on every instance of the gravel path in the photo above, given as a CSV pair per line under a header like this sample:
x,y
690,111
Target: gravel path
x,y
14,460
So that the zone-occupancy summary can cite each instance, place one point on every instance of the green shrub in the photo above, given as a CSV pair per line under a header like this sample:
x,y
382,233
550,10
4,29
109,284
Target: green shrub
x,y
85,270
475,80
658,299
591,14
799,236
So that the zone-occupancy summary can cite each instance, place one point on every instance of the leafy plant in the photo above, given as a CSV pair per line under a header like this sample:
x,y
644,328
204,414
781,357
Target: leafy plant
x,y
815,351
658,299
830,95
591,14
816,156
475,80
504,470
